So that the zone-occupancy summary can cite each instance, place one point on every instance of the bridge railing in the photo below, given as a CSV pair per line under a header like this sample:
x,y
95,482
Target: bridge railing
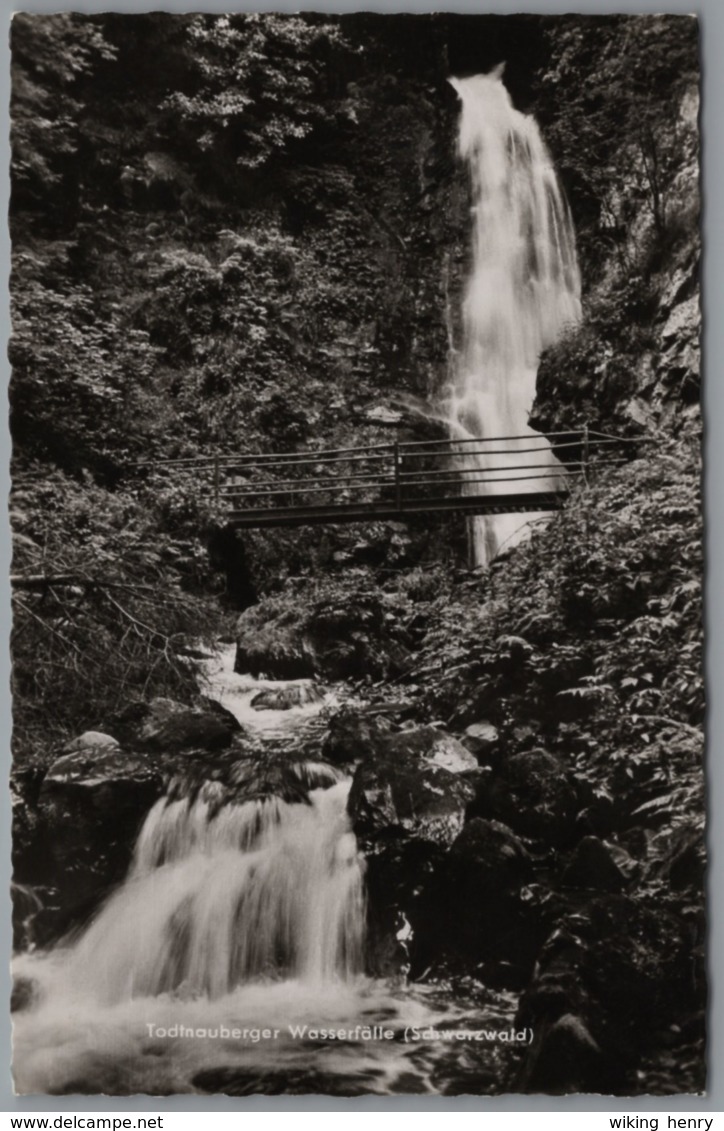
x,y
400,476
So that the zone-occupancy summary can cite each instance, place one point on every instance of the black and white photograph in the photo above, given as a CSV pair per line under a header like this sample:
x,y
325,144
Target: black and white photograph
x,y
357,636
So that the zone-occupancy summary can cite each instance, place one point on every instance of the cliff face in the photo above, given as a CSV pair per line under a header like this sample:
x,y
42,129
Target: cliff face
x,y
625,137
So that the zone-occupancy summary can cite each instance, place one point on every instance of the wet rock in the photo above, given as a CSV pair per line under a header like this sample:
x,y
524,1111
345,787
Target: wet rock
x,y
491,856
353,735
592,866
91,806
165,726
400,913
28,903
92,740
481,739
406,810
402,791
479,912
534,794
284,698
427,744
227,717
98,772
268,775
623,971
452,755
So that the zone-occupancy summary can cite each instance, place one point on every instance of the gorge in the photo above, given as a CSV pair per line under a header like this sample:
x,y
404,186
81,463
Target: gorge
x,y
338,777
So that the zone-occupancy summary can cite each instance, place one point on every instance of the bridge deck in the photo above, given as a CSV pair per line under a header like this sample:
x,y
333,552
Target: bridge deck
x,y
338,513
475,476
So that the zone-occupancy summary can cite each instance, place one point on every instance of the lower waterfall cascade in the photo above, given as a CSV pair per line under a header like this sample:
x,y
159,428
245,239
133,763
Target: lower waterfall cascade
x,y
244,919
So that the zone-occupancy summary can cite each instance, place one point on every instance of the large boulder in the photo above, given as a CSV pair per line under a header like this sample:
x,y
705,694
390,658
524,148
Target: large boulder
x,y
406,788
269,774
167,727
353,736
481,913
422,801
610,978
92,803
407,806
401,933
534,794
92,740
428,744
592,866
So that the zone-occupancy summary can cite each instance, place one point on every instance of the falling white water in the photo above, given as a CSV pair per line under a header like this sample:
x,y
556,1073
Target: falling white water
x,y
236,918
218,899
523,289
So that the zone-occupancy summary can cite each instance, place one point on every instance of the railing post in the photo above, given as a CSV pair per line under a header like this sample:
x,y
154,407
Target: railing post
x,y
216,480
586,453
398,484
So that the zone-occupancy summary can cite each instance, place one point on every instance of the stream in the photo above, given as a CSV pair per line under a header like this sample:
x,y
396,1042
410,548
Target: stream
x,y
232,958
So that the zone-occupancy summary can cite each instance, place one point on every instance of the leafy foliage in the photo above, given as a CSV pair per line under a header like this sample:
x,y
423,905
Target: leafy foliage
x,y
51,54
81,376
259,84
104,607
591,635
618,83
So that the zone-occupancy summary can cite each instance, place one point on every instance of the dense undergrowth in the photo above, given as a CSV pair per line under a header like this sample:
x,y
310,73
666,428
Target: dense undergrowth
x,y
109,597
589,640
208,257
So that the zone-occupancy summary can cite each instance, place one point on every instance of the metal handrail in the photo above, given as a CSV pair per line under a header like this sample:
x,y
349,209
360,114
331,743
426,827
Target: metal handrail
x,y
393,476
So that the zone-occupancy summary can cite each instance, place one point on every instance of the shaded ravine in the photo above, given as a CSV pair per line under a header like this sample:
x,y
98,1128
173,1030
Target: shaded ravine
x,y
238,934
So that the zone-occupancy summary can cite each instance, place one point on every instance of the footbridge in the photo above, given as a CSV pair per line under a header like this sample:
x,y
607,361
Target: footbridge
x,y
476,476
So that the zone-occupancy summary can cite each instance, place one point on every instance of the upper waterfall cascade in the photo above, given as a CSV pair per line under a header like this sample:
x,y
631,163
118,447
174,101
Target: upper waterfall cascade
x,y
523,287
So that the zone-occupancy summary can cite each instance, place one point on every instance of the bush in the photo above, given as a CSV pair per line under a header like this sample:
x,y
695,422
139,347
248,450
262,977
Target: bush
x,y
101,606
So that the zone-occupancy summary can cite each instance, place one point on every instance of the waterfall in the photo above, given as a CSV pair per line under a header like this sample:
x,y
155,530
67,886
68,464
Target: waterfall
x,y
217,898
234,944
523,289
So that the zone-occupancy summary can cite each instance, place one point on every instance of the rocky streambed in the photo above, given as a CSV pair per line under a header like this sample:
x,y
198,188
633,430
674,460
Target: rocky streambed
x,y
500,905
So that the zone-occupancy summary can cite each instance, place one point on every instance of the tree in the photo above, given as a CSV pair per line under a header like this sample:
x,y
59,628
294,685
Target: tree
x,y
50,56
611,99
257,83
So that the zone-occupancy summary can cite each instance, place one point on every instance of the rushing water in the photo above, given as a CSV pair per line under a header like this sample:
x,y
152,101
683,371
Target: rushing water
x,y
236,921
523,289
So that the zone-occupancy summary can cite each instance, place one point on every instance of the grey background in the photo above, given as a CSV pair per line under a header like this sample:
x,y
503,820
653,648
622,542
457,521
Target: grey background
x,y
711,15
